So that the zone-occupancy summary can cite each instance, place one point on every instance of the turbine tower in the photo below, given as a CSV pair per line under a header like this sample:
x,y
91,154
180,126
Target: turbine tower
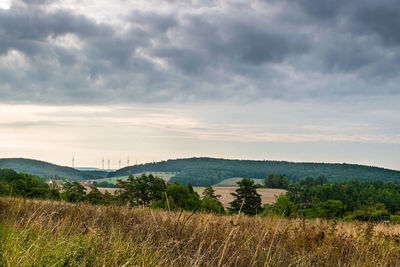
x,y
73,162
102,164
119,164
108,164
128,161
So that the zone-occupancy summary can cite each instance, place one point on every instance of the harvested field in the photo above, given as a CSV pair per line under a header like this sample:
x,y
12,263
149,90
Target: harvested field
x,y
267,194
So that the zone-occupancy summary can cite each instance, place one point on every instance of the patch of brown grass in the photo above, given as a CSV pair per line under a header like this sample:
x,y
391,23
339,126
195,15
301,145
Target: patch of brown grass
x,y
45,233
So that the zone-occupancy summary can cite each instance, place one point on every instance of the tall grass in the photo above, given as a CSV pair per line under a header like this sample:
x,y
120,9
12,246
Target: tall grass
x,y
45,233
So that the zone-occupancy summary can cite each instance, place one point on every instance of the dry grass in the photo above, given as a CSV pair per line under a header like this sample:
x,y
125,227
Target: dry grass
x,y
44,233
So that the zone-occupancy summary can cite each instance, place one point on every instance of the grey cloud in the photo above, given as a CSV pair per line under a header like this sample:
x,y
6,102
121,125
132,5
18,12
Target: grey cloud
x,y
381,18
201,51
364,17
37,2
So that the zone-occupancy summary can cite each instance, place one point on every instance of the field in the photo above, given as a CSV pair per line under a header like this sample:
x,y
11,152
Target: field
x,y
164,175
45,233
233,181
267,194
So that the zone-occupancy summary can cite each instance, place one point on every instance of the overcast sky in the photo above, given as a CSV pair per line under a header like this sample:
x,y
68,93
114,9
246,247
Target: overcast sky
x,y
304,80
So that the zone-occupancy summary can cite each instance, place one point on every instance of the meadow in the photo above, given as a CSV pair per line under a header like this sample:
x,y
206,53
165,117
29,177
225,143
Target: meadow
x,y
53,233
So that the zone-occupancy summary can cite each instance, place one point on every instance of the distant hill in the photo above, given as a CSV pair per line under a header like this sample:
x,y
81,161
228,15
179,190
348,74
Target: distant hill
x,y
204,171
47,170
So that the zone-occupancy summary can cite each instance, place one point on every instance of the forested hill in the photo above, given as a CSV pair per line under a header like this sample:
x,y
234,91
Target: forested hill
x,y
203,171
47,170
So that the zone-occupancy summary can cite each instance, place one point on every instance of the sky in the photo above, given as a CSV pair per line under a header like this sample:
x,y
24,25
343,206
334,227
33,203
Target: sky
x,y
306,80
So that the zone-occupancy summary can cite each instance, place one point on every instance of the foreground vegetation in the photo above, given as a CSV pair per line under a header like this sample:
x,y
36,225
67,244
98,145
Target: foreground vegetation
x,y
52,233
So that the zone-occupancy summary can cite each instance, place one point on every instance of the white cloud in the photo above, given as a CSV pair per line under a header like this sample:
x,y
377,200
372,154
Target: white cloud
x,y
5,4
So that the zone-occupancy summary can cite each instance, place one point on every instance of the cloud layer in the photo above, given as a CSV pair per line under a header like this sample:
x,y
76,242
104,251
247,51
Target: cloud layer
x,y
277,79
153,51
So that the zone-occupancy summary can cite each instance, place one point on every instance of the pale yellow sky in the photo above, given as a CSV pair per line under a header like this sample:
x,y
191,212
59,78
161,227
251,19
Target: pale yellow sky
x,y
145,134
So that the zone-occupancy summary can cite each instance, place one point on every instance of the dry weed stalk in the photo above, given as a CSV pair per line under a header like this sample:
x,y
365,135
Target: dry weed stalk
x,y
46,233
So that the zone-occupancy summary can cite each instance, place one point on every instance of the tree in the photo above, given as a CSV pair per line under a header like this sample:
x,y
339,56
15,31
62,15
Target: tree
x,y
209,192
246,198
74,192
213,206
328,209
142,190
283,206
276,181
210,201
95,196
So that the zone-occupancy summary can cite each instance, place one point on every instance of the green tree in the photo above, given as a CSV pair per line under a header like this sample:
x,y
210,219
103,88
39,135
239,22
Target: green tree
x,y
246,198
213,206
95,196
209,192
73,192
276,181
328,209
283,206
210,201
141,190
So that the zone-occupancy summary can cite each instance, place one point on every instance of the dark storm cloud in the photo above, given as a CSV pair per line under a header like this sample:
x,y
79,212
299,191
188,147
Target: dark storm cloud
x,y
362,17
200,51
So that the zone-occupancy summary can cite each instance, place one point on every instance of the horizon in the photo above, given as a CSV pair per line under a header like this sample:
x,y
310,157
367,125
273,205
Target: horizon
x,y
163,160
310,81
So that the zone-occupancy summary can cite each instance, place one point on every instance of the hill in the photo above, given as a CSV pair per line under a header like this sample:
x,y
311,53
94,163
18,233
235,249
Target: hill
x,y
204,171
47,170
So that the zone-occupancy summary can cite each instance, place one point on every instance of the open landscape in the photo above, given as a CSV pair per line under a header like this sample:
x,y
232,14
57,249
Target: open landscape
x,y
199,133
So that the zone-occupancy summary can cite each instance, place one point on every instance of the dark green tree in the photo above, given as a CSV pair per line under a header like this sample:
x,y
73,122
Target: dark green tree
x,y
141,190
210,201
283,206
95,196
246,198
73,192
209,192
276,181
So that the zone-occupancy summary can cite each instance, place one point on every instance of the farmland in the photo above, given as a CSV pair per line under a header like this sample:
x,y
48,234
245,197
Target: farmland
x,y
267,194
233,181
113,180
48,233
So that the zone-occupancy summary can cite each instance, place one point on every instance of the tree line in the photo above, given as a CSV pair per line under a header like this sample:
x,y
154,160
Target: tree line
x,y
204,171
307,198
354,200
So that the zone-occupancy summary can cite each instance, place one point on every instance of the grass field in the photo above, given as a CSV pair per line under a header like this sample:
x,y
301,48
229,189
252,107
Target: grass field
x,y
45,233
